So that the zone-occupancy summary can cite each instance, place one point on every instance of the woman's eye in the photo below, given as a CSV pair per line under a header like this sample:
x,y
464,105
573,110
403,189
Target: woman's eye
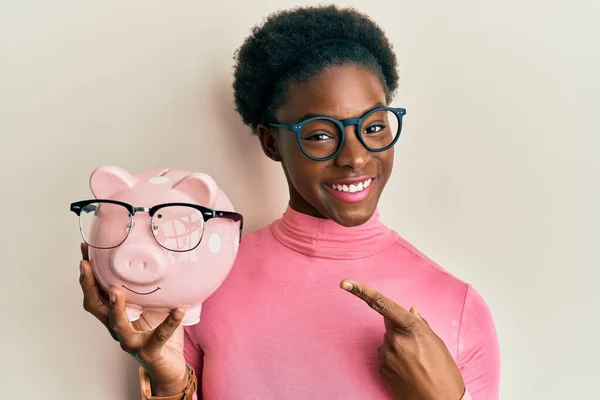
x,y
374,128
318,136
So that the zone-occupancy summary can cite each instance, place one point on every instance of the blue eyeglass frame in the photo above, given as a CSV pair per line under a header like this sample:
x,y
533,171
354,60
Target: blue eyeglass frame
x,y
297,129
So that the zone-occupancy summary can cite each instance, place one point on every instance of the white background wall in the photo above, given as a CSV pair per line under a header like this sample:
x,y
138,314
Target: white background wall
x,y
497,174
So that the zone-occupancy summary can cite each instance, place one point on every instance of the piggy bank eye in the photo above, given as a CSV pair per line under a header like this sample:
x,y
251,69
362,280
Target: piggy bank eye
x,y
159,216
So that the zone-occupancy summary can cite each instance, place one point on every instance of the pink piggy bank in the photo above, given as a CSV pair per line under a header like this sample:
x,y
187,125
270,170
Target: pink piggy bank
x,y
167,237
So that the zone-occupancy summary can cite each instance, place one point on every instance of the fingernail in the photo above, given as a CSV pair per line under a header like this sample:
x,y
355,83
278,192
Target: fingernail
x,y
81,269
178,314
347,286
112,296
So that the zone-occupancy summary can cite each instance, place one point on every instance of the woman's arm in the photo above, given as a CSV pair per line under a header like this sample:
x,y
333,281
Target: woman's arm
x,y
478,349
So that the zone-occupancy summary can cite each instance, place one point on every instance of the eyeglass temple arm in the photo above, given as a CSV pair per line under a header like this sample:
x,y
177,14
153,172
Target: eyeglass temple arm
x,y
234,217
76,208
283,126
90,208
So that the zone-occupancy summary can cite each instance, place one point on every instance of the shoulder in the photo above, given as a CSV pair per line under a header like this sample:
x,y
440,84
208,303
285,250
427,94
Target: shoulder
x,y
431,277
426,268
469,306
473,307
258,239
255,246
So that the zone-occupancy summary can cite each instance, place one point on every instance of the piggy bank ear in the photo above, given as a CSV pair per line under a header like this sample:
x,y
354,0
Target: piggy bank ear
x,y
106,181
200,187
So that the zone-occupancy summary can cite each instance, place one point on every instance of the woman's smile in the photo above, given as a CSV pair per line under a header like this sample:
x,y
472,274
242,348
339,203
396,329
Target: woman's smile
x,y
352,190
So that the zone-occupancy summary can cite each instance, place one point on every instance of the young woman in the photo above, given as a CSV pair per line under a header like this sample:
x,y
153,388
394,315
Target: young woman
x,y
325,302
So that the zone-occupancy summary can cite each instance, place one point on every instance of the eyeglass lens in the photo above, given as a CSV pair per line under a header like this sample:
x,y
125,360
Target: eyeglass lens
x,y
178,228
104,225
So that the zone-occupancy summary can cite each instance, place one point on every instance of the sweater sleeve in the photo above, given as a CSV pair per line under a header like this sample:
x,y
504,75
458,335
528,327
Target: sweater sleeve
x,y
478,349
193,356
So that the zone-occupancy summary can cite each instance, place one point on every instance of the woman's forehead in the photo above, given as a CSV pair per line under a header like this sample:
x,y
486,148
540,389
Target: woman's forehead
x,y
339,92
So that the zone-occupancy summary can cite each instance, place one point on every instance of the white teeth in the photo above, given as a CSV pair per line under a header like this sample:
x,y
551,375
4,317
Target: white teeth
x,y
352,188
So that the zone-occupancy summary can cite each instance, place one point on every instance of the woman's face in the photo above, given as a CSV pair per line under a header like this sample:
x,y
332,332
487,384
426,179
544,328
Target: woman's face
x,y
339,92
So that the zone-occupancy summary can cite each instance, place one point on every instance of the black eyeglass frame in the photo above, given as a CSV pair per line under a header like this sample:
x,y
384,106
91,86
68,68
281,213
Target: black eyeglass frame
x,y
297,129
207,214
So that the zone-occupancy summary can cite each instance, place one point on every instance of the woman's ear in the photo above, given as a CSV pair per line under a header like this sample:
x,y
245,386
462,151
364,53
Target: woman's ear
x,y
269,141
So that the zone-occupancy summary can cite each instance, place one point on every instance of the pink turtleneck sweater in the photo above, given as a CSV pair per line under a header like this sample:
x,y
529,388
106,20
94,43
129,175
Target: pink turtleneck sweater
x,y
280,327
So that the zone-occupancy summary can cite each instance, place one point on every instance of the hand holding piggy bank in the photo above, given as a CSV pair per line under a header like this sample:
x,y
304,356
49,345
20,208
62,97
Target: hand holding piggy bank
x,y
167,237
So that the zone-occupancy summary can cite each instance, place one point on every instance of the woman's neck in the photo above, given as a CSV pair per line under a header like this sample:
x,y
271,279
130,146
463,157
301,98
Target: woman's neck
x,y
316,236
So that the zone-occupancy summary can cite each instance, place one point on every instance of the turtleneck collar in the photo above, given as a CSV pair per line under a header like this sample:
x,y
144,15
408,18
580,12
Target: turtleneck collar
x,y
324,238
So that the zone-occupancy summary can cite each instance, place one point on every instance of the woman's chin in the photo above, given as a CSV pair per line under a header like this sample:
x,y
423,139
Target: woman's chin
x,y
351,215
328,206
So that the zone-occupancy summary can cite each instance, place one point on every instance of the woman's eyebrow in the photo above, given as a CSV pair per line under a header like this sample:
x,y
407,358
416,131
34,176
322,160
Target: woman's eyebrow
x,y
311,115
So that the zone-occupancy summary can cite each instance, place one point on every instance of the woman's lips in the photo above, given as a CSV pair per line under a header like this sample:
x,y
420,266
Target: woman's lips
x,y
351,190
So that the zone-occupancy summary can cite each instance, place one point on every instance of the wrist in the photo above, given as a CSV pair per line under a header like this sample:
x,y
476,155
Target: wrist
x,y
182,389
172,388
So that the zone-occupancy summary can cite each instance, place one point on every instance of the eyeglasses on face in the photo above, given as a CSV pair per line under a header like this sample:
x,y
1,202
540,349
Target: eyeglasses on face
x,y
176,227
321,138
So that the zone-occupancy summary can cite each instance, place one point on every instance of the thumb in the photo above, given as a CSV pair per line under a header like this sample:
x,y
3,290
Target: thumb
x,y
165,330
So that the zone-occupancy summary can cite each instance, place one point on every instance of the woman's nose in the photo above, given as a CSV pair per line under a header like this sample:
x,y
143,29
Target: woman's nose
x,y
352,154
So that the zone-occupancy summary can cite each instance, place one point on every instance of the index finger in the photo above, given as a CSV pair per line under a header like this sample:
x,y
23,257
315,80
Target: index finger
x,y
377,301
84,251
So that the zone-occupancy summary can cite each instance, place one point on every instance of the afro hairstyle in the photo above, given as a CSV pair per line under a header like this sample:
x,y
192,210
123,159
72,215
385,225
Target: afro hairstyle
x,y
263,70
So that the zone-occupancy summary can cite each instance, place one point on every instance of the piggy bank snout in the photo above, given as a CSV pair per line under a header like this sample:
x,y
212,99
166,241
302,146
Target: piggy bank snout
x,y
137,264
